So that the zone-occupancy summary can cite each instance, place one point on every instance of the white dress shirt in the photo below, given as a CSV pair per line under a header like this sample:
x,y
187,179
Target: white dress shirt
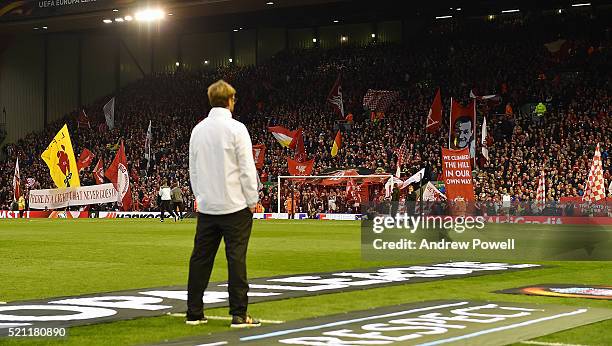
x,y
221,166
165,193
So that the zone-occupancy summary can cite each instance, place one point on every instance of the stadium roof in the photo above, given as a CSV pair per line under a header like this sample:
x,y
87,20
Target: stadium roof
x,y
222,15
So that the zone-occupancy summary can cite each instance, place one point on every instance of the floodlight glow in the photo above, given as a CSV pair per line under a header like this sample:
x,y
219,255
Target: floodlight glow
x,y
270,3
119,19
373,35
107,21
177,64
314,40
128,18
205,62
444,17
115,10
581,4
149,15
45,28
510,11
231,60
336,21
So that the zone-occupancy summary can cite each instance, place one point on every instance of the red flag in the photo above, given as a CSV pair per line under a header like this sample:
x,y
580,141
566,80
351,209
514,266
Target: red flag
x,y
85,159
298,145
434,118
335,97
376,116
402,155
259,155
16,182
462,127
83,119
337,144
300,168
541,192
379,101
282,135
99,172
119,175
595,189
349,118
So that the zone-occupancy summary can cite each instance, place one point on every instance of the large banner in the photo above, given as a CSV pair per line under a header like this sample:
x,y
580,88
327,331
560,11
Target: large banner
x,y
457,174
61,198
462,125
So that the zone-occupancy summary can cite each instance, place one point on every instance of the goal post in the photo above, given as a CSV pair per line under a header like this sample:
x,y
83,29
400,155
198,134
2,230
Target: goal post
x,y
332,180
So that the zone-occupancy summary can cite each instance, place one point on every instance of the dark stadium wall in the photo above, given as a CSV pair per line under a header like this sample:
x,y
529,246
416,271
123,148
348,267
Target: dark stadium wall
x,y
135,57
63,71
269,42
83,67
389,31
245,42
300,38
98,70
201,47
21,86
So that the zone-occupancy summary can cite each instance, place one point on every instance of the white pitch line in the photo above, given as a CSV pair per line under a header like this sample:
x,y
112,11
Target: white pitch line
x,y
220,343
223,318
548,343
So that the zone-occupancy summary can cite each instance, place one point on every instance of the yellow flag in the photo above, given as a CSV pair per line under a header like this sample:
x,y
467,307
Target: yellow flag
x,y
337,144
59,157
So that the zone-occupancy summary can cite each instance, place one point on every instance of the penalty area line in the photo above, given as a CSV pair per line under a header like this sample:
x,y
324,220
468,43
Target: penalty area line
x,y
224,318
542,343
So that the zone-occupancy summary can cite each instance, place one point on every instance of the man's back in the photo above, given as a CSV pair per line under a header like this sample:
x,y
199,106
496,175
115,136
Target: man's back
x,y
221,166
164,193
177,194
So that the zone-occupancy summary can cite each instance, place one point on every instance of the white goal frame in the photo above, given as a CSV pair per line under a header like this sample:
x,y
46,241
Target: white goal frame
x,y
280,177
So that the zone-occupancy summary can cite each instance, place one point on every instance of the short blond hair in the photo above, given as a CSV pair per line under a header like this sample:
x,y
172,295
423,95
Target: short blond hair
x,y
219,93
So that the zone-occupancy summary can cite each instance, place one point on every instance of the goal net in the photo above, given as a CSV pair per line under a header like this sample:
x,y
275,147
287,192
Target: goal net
x,y
341,193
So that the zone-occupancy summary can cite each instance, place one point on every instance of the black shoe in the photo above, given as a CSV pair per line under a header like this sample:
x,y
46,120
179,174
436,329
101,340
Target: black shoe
x,y
244,322
196,321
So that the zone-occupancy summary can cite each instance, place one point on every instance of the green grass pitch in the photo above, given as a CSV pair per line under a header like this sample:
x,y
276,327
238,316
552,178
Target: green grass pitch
x,y
50,258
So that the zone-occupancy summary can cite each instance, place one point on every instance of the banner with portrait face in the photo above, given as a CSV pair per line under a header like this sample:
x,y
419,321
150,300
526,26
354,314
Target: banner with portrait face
x,y
462,127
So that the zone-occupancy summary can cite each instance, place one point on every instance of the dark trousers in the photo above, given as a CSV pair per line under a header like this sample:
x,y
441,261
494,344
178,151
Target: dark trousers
x,y
165,207
180,206
235,229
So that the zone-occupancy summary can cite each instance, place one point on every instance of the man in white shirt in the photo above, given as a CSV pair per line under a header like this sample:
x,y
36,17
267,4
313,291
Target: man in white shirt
x,y
224,181
165,195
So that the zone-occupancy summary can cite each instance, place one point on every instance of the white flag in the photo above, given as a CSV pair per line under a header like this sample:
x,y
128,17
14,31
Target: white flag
x,y
16,182
431,193
109,113
417,177
483,139
148,145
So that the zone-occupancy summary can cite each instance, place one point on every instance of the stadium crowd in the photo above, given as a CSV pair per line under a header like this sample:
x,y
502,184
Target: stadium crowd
x,y
291,91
